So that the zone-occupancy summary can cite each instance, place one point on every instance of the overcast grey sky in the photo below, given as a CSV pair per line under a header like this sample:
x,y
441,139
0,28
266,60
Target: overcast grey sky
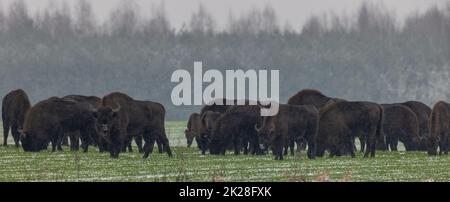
x,y
294,11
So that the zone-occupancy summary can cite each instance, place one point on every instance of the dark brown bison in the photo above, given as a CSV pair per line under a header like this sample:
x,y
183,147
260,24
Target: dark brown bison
x,y
439,129
135,118
14,108
192,128
311,97
207,121
236,127
341,122
75,136
422,112
400,124
292,122
48,120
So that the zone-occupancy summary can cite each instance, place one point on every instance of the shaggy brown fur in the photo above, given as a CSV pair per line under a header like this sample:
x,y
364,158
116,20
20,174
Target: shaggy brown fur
x,y
439,129
341,122
14,108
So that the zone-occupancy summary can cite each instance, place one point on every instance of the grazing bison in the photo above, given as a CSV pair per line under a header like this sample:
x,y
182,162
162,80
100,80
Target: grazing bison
x,y
75,136
292,122
311,97
48,120
14,108
400,124
439,129
341,122
207,121
134,118
193,128
422,112
236,127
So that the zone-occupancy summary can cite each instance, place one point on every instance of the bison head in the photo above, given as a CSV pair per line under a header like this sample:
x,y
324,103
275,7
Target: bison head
x,y
31,144
105,121
265,132
190,135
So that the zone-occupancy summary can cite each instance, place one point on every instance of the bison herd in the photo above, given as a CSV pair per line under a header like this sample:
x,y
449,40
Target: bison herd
x,y
310,120
109,123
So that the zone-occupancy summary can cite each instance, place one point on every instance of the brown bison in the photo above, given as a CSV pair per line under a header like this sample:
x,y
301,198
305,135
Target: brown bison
x,y
311,97
207,121
192,129
48,120
400,124
75,136
439,128
236,127
14,108
134,118
292,122
341,122
422,112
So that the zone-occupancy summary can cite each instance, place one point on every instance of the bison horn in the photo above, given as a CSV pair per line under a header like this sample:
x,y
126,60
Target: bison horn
x,y
117,109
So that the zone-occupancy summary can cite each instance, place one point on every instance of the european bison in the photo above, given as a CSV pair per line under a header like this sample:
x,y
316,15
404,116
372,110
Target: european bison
x,y
311,97
439,129
292,122
14,108
400,123
192,129
341,122
75,136
422,112
134,118
48,120
207,121
236,127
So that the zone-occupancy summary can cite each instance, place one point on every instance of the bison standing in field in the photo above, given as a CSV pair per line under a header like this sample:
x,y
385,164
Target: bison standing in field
x,y
48,120
207,121
75,136
439,129
192,129
422,112
236,127
131,118
400,124
292,122
341,122
14,108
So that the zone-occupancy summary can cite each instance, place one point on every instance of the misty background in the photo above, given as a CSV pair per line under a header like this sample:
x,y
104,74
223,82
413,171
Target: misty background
x,y
371,53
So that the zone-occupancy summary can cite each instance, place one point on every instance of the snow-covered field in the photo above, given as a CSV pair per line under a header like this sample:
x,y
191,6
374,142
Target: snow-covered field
x,y
188,165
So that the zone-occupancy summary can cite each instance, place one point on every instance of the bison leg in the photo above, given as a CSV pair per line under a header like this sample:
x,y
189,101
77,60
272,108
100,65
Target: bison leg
x,y
164,143
349,147
148,145
138,140
65,141
15,134
362,142
74,143
160,146
5,132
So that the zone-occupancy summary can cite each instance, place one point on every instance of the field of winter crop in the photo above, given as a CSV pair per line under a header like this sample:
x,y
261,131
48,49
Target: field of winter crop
x,y
188,165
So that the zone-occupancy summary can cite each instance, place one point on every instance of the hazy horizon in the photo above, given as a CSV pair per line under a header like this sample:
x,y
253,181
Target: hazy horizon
x,y
291,12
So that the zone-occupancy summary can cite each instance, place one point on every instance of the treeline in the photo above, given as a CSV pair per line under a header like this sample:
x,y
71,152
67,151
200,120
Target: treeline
x,y
369,55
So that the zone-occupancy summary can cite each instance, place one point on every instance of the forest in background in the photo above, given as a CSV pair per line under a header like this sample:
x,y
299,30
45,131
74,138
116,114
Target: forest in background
x,y
368,55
